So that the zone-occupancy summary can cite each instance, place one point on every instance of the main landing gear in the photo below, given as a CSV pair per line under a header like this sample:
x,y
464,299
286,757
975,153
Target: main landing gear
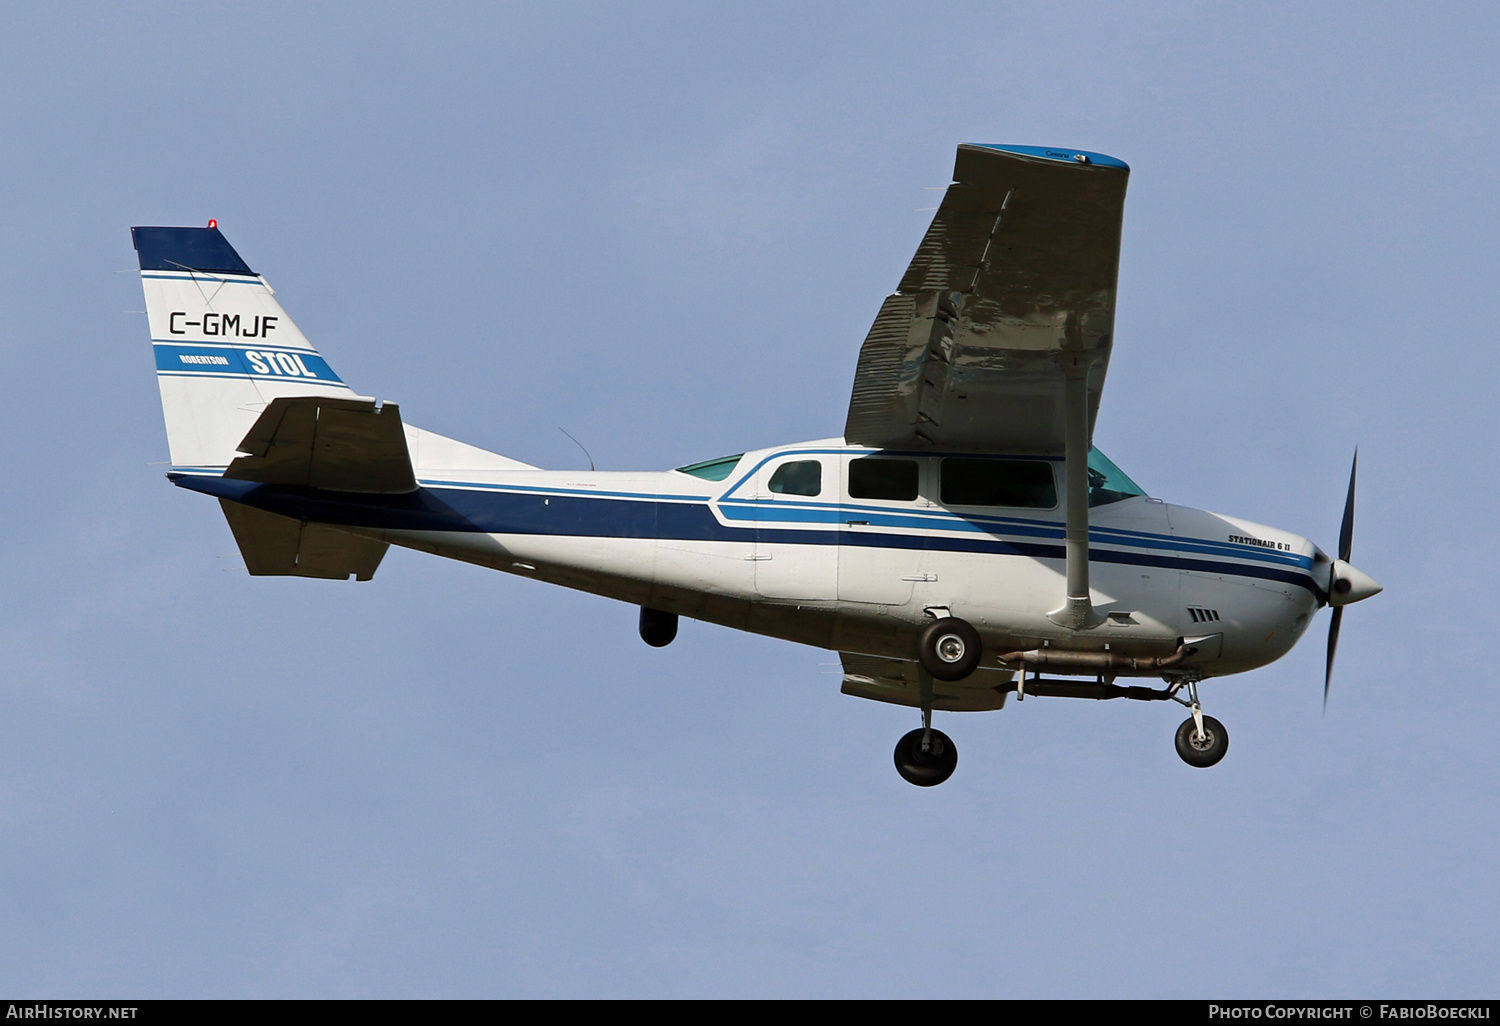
x,y
926,757
657,628
949,649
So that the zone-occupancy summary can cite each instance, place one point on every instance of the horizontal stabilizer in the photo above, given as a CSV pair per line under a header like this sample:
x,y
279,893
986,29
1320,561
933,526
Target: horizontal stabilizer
x,y
277,546
341,445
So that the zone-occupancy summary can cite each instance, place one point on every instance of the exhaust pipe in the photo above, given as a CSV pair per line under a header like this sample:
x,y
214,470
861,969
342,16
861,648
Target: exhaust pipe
x,y
1064,660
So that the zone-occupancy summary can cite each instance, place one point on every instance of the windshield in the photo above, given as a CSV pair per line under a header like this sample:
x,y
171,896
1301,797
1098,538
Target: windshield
x,y
1107,482
713,470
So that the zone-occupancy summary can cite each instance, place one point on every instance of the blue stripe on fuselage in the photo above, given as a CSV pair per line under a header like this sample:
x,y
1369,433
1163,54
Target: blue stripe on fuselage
x,y
783,511
664,517
744,507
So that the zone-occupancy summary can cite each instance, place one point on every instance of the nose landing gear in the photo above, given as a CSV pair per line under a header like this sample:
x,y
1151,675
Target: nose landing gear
x,y
1202,746
1201,740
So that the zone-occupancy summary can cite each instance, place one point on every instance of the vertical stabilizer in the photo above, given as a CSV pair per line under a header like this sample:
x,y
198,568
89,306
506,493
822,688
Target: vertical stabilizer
x,y
224,346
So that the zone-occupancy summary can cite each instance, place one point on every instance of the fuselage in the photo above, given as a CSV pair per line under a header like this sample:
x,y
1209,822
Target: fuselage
x,y
853,549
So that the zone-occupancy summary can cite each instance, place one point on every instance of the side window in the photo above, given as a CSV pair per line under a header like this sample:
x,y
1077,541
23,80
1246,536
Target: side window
x,y
713,470
1107,483
1024,484
872,477
800,477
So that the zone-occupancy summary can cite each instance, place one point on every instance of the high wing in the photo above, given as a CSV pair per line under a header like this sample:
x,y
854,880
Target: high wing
x,y
1013,283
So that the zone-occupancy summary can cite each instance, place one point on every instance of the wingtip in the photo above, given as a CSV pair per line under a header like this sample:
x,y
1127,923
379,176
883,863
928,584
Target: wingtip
x,y
1061,154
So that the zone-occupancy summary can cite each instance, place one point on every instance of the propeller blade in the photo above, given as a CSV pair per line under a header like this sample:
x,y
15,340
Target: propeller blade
x,y
1346,542
1333,647
1346,530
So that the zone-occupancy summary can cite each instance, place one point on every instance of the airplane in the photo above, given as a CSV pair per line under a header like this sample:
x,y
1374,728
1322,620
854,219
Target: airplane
x,y
962,541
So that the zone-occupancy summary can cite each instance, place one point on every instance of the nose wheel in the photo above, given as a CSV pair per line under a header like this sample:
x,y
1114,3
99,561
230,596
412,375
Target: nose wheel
x,y
1201,740
1202,748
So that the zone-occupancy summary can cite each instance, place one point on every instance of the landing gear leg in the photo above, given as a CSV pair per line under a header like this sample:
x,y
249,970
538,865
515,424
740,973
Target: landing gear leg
x,y
1201,740
926,757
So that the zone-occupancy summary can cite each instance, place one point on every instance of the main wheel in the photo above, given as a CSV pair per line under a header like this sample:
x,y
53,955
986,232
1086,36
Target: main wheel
x,y
949,648
1206,750
657,628
929,768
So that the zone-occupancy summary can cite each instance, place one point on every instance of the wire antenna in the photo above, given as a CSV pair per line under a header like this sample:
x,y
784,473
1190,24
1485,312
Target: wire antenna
x,y
580,446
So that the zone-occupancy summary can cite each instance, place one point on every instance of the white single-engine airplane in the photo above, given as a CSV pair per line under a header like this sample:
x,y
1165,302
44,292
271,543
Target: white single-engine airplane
x,y
962,538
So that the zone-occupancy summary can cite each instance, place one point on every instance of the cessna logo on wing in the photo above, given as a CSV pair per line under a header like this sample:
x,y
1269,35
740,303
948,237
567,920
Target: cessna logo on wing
x,y
223,325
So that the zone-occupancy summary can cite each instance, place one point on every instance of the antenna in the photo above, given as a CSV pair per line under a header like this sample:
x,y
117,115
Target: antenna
x,y
580,445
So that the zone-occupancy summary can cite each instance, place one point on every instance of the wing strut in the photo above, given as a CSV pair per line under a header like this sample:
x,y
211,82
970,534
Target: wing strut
x,y
1077,612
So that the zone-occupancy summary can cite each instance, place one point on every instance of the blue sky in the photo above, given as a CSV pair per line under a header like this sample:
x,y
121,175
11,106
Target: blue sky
x,y
666,228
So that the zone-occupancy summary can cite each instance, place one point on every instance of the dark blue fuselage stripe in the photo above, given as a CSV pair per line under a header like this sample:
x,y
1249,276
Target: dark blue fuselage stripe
x,y
470,511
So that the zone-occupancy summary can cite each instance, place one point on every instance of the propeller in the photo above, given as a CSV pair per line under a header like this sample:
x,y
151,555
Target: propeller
x,y
1346,541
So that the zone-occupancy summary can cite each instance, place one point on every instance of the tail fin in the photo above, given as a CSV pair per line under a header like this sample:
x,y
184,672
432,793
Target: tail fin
x,y
224,346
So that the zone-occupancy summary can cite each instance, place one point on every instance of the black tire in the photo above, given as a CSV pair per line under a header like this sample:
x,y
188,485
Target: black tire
x,y
949,649
1206,751
657,628
930,768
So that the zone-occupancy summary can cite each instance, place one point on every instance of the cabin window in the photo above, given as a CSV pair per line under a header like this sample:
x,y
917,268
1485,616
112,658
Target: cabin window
x,y
800,477
713,470
1107,483
874,478
1023,484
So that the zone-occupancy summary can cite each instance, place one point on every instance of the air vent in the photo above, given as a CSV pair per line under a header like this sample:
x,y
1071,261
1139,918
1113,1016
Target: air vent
x,y
1202,615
